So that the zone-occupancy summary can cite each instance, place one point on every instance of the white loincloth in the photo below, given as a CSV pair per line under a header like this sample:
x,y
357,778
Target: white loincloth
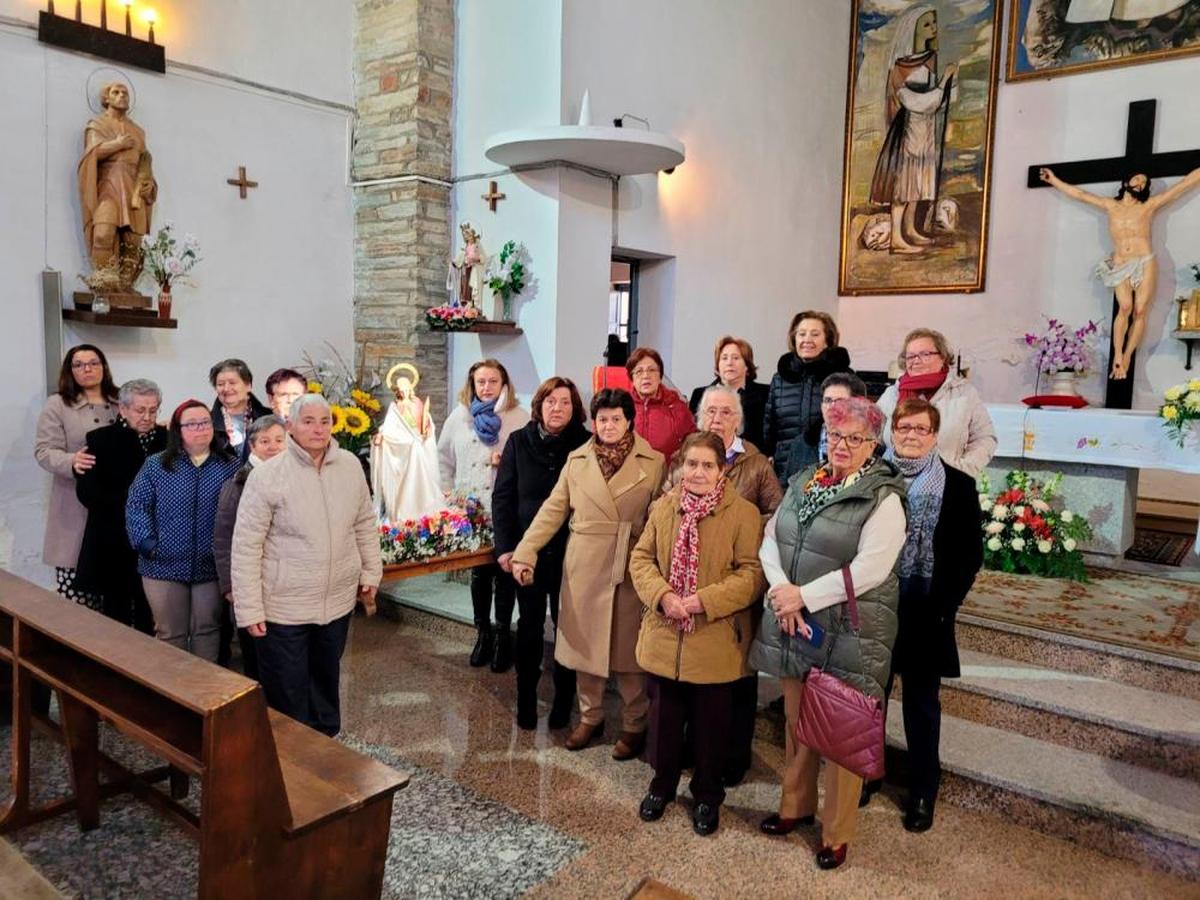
x,y
1133,271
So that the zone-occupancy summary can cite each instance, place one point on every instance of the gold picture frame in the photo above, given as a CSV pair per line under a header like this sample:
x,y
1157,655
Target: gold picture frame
x,y
950,177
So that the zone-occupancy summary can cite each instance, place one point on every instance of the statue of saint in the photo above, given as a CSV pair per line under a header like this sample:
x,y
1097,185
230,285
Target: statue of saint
x,y
466,280
1130,270
909,165
117,189
404,460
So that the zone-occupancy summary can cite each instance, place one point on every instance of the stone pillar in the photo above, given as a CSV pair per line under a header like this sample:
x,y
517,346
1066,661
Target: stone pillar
x,y
403,71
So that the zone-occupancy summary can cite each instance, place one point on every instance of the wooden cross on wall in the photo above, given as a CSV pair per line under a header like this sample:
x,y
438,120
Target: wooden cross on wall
x,y
1139,158
493,196
241,183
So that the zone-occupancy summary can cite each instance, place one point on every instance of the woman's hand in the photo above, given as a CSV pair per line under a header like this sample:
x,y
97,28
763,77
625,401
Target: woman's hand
x,y
693,605
673,607
522,573
505,562
82,461
366,596
259,630
785,600
793,624
495,460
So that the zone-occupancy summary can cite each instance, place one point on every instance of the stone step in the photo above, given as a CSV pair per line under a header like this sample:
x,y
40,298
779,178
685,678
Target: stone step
x,y
1158,672
1112,806
1144,728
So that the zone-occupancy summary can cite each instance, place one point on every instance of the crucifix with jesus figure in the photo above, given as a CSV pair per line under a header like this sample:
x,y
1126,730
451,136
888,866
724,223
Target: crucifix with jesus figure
x,y
1131,270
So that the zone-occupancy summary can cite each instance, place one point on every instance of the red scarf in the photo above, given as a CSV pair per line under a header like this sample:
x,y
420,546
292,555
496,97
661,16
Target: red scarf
x,y
923,386
685,553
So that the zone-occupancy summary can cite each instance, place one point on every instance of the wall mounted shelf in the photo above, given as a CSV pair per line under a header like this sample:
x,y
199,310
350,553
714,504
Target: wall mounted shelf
x,y
617,151
126,318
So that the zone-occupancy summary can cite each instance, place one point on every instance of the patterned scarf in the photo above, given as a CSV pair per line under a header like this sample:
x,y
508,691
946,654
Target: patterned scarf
x,y
487,423
823,487
926,479
685,552
612,456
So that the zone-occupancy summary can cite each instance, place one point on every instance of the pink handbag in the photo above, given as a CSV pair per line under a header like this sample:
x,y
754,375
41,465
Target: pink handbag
x,y
839,721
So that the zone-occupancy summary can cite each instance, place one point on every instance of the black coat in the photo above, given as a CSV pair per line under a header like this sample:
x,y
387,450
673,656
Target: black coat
x,y
254,410
925,643
106,561
754,402
529,469
793,408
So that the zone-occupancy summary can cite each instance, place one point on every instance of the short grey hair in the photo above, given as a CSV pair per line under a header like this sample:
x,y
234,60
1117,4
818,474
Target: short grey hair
x,y
261,424
305,401
728,392
137,386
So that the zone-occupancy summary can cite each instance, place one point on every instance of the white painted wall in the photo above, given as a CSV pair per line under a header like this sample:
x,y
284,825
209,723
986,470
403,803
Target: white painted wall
x,y
276,277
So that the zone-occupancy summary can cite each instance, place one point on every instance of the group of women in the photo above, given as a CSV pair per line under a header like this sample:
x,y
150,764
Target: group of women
x,y
655,539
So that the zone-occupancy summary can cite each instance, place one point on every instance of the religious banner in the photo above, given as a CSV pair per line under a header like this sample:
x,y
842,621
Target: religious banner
x,y
1062,37
916,174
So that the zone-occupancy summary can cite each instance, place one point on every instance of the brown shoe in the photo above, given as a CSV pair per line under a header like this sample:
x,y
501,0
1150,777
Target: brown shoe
x,y
583,735
629,745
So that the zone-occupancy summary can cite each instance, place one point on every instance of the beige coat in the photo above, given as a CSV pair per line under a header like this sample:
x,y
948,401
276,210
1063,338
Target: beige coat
x,y
61,430
599,611
304,539
966,437
729,581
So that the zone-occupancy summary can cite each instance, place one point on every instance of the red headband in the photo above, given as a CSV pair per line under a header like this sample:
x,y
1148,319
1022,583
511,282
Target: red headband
x,y
186,404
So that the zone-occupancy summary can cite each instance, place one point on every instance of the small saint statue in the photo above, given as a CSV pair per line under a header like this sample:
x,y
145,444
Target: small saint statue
x,y
404,460
466,280
1130,270
117,190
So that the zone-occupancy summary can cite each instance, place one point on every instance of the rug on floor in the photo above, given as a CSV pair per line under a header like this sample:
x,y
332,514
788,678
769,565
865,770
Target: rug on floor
x,y
1165,548
1138,611
446,841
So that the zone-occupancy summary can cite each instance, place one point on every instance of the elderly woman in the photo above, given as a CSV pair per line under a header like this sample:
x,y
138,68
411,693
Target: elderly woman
x,y
86,399
838,521
696,569
267,438
663,419
603,492
793,411
967,440
750,474
469,450
733,364
941,557
169,518
284,387
529,468
838,386
236,406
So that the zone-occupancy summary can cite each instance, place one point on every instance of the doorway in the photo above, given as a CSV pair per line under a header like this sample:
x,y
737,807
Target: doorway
x,y
622,310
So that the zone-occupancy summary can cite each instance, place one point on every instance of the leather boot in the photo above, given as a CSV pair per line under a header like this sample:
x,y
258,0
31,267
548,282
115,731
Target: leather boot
x,y
583,735
484,646
503,659
564,696
629,745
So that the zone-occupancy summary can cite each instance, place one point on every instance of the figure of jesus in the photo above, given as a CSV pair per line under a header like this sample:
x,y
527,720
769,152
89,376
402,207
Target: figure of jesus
x,y
404,462
466,278
908,168
1130,270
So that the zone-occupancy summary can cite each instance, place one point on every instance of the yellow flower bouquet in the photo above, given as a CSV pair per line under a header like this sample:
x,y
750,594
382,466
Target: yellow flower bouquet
x,y
357,412
1180,408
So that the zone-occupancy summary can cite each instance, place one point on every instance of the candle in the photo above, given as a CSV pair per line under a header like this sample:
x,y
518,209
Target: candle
x,y
104,14
50,6
78,10
128,24
150,17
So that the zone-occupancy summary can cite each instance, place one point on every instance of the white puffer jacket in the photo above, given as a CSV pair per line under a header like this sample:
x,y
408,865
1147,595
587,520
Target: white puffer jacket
x,y
966,438
465,462
305,539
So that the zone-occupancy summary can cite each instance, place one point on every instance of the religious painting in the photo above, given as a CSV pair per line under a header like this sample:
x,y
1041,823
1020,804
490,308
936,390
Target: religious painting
x,y
1062,37
920,114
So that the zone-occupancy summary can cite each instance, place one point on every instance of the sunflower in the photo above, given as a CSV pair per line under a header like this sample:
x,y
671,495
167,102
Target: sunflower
x,y
315,387
339,419
355,420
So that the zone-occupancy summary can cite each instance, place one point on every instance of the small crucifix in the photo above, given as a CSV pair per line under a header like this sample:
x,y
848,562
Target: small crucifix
x,y
493,196
241,183
1134,288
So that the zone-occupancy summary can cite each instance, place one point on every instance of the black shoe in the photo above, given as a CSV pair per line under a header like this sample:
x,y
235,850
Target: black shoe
x,y
653,806
869,790
831,857
560,711
706,818
919,815
778,826
527,712
503,659
485,645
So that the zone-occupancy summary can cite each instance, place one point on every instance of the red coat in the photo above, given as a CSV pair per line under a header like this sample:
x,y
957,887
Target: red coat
x,y
664,420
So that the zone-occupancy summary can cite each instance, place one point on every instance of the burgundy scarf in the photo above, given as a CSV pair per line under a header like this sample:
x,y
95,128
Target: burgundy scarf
x,y
685,552
612,456
923,386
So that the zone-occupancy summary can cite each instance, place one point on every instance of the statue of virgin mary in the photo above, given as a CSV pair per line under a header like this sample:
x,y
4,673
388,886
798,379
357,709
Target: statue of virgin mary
x,y
404,462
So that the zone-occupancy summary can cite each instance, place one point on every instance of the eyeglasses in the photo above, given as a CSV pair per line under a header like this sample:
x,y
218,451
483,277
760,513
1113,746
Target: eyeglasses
x,y
204,425
715,412
853,441
923,356
919,430
644,370
81,365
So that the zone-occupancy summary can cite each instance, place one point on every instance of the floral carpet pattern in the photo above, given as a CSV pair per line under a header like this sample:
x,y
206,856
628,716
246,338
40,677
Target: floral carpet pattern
x,y
1138,611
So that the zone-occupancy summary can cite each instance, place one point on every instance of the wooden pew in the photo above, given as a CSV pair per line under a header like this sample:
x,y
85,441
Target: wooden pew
x,y
283,808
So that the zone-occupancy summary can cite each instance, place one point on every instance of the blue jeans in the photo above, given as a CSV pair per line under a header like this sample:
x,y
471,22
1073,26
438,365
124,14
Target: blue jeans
x,y
299,668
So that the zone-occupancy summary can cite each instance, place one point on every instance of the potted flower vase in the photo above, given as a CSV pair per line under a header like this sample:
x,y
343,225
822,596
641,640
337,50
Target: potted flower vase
x,y
1064,384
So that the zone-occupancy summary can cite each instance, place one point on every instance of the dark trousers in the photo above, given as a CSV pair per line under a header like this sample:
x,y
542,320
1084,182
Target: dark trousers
x,y
225,646
249,648
299,668
922,709
741,731
532,601
484,581
125,601
706,711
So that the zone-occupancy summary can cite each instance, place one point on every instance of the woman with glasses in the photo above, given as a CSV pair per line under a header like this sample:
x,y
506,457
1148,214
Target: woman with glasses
x,y
734,368
663,418
86,400
838,386
841,524
966,439
170,515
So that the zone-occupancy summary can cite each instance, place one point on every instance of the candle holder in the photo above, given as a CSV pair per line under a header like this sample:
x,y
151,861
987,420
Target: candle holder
x,y
97,40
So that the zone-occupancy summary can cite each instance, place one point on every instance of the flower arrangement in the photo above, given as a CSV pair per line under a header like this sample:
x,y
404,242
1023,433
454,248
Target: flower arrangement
x,y
463,526
356,411
509,278
1180,408
167,260
1061,349
1025,532
452,318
